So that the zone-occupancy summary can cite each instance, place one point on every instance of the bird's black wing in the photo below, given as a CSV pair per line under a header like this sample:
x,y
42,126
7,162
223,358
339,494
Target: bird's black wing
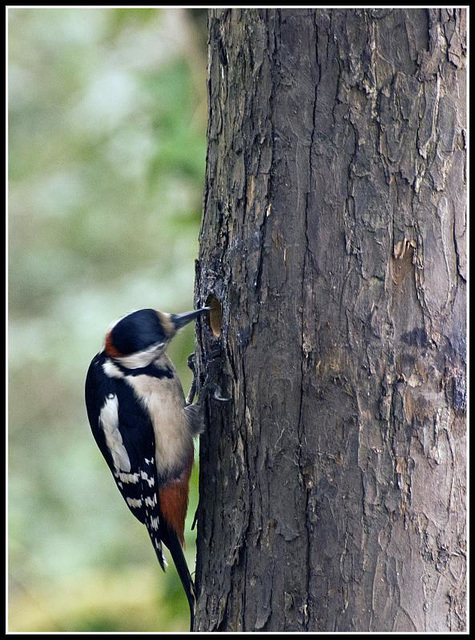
x,y
125,436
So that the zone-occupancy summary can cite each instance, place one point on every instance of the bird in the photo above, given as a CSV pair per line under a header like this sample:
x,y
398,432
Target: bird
x,y
144,429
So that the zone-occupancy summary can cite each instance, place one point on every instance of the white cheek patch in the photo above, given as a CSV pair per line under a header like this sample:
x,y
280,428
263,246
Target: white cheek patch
x,y
109,419
143,358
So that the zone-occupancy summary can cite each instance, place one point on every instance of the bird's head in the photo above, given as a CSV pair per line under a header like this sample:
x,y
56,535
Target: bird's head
x,y
141,337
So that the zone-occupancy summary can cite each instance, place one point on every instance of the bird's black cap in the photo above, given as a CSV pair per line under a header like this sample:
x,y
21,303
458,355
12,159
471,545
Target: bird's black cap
x,y
142,329
138,331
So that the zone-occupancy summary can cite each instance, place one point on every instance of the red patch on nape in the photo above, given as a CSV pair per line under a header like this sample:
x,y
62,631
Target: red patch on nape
x,y
174,502
109,348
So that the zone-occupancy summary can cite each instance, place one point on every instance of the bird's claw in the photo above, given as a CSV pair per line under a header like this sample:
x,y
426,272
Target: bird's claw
x,y
192,392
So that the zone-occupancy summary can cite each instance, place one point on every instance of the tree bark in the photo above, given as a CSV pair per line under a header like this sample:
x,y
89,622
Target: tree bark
x,y
333,482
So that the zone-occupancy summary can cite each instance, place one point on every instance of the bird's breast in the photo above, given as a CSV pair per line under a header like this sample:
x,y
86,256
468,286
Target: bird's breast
x,y
164,400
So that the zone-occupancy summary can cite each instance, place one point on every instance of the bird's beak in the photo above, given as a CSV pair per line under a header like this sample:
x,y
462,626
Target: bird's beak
x,y
181,319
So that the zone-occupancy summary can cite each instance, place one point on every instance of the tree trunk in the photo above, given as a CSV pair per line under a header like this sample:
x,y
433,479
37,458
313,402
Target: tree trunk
x,y
333,240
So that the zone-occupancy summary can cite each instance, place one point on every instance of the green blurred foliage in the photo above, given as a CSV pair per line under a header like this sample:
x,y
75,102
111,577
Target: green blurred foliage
x,y
107,151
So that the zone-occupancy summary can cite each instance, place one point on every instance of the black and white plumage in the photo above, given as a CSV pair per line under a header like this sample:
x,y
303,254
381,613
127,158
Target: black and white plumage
x,y
137,412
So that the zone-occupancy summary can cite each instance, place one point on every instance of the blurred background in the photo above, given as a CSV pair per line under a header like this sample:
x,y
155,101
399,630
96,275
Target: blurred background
x,y
107,146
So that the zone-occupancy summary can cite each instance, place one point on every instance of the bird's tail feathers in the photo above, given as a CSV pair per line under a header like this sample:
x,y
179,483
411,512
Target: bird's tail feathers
x,y
173,543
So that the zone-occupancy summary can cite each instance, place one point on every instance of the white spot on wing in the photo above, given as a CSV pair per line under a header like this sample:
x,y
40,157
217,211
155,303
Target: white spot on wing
x,y
128,478
157,543
109,419
149,479
151,502
134,502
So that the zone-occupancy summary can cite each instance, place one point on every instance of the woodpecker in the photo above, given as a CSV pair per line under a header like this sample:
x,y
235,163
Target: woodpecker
x,y
144,428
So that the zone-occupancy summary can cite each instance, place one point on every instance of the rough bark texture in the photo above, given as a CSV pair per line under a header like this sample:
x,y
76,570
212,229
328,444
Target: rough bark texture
x,y
333,482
